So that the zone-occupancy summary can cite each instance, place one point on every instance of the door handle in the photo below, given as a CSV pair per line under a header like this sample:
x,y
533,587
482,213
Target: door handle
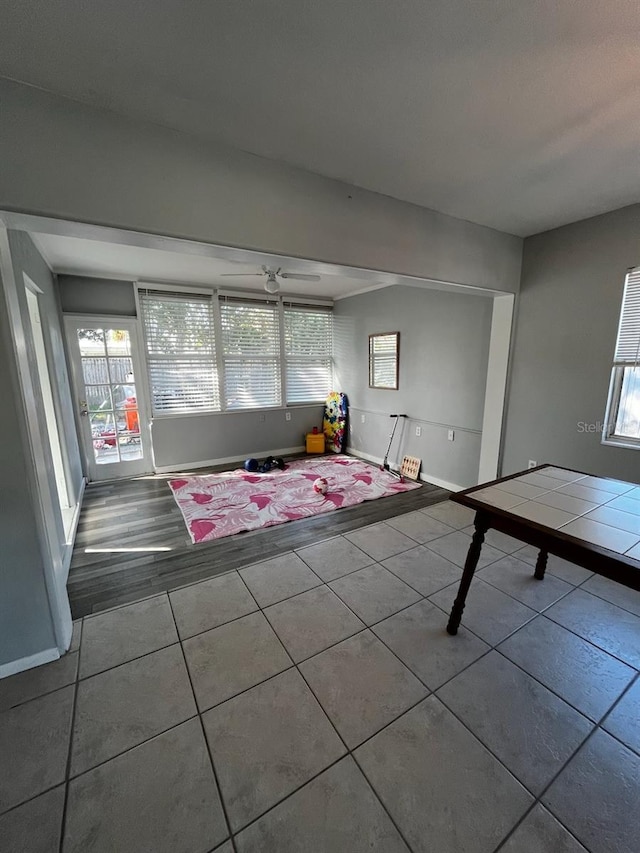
x,y
84,411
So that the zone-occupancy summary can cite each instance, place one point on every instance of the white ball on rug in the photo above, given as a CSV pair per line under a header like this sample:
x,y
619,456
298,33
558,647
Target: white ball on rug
x,y
320,486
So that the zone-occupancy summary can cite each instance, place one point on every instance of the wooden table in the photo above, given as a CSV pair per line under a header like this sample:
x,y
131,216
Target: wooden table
x,y
593,522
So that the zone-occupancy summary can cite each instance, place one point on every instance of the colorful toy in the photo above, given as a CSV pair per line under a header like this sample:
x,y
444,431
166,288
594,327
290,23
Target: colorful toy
x,y
320,486
335,421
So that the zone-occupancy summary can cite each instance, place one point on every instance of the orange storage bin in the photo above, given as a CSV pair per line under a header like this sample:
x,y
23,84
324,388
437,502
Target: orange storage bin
x,y
315,442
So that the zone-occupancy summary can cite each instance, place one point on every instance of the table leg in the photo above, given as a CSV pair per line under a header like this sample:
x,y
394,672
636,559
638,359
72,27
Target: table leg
x,y
473,555
541,565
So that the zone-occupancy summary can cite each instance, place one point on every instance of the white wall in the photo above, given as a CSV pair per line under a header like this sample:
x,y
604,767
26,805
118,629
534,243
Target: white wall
x,y
66,160
444,346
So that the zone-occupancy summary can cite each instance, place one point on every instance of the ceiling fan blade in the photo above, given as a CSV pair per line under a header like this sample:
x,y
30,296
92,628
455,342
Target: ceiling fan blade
x,y
242,274
299,276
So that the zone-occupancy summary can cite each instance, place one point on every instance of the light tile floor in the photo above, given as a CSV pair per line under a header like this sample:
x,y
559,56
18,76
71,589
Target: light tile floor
x,y
315,702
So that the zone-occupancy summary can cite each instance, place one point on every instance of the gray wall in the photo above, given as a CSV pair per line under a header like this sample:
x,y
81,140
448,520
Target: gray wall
x,y
83,295
63,159
444,346
26,626
569,305
188,440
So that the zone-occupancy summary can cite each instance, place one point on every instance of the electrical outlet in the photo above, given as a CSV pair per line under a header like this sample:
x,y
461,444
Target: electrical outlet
x,y
287,416
532,464
418,431
261,418
451,435
362,418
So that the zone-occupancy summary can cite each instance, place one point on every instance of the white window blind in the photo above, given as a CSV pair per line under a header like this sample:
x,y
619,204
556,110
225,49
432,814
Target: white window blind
x,y
628,342
383,360
180,352
622,419
308,353
251,353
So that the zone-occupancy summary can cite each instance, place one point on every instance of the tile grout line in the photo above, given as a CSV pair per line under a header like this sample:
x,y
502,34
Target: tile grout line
x,y
39,695
606,600
76,685
538,799
131,748
204,734
544,613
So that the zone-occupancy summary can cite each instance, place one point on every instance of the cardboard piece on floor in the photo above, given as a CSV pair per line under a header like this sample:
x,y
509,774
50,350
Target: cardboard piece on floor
x,y
410,467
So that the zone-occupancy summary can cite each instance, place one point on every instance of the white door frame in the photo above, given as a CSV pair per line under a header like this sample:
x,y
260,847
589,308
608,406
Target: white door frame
x,y
42,363
115,470
496,387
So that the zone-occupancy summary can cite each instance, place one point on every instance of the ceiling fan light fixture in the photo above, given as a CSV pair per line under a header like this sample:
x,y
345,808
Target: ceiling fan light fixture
x,y
271,285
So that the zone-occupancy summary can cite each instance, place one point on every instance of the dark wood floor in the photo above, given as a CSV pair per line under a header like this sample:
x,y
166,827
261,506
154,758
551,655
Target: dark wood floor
x,y
142,514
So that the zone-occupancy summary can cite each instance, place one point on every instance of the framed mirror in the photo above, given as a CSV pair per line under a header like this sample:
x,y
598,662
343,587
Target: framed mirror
x,y
384,360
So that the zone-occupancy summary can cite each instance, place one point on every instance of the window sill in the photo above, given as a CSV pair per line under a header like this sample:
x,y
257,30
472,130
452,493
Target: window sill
x,y
215,412
625,443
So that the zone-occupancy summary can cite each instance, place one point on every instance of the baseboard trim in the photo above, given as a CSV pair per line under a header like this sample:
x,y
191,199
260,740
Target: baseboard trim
x,y
443,484
15,666
426,478
226,460
68,552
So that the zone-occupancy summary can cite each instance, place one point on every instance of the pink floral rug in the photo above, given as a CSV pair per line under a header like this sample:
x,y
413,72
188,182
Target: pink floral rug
x,y
217,505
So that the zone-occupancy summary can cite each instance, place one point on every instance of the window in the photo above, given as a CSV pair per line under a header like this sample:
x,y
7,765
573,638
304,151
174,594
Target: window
x,y
622,421
180,352
250,353
383,360
308,353
229,352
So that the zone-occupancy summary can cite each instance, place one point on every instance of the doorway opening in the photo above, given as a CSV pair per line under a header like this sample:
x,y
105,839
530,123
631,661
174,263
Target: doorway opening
x,y
111,409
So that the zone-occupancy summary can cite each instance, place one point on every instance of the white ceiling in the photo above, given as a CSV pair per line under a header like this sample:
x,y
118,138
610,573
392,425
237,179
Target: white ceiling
x,y
74,248
95,258
518,114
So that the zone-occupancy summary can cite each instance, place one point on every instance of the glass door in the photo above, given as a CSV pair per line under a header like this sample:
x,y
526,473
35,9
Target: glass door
x,y
111,410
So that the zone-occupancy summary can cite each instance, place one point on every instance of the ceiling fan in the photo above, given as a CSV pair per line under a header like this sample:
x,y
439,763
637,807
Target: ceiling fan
x,y
272,285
